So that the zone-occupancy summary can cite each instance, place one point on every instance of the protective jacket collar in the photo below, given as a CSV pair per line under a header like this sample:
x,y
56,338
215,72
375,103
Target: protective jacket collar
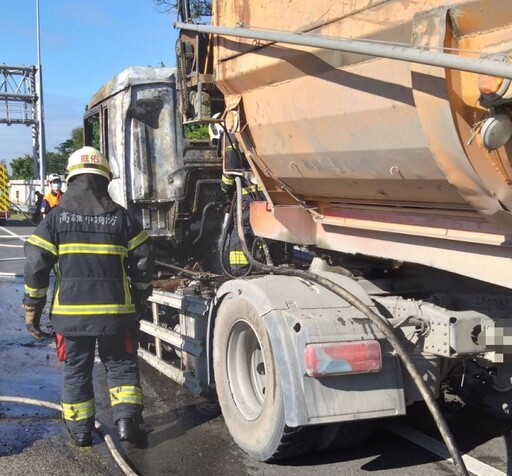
x,y
87,194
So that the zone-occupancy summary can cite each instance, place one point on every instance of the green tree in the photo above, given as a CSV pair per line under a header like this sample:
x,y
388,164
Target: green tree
x,y
56,163
22,168
74,143
196,8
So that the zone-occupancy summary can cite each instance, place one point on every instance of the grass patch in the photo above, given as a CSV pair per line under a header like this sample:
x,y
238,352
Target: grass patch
x,y
19,216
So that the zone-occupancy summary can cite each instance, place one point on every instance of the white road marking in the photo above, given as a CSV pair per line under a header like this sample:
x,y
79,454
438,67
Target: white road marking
x,y
14,235
11,237
473,465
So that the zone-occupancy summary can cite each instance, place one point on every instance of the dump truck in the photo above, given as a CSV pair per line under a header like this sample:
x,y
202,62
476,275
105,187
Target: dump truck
x,y
5,204
379,132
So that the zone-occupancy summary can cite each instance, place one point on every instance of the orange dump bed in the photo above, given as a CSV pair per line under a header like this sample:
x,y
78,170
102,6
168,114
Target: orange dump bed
x,y
372,155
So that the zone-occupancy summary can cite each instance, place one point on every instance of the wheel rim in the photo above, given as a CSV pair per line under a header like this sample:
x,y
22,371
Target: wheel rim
x,y
246,370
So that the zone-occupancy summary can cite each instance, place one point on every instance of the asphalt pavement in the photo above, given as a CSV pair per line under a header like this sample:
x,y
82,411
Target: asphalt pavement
x,y
187,434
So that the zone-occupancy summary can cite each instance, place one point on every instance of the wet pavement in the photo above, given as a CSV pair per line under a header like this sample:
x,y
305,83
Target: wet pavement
x,y
186,434
33,439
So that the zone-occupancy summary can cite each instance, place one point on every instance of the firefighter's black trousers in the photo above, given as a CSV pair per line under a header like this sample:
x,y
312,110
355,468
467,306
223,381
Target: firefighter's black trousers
x,y
119,356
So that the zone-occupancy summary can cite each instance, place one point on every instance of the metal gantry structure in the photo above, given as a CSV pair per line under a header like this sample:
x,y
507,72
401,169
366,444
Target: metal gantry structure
x,y
18,97
20,102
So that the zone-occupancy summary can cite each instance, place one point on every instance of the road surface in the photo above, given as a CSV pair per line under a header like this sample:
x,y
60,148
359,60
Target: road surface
x,y
187,435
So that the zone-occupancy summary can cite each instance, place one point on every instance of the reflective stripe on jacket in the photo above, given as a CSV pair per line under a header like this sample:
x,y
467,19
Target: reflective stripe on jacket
x,y
102,264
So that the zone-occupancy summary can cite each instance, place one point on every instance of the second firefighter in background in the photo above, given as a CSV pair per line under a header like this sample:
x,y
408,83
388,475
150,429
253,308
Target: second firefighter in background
x,y
234,163
104,266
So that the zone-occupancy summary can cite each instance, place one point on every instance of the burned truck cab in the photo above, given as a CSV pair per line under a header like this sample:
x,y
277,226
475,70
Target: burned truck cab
x,y
170,182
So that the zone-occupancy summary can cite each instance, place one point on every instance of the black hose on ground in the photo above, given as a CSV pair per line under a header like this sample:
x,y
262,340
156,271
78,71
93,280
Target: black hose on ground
x,y
385,328
26,215
123,465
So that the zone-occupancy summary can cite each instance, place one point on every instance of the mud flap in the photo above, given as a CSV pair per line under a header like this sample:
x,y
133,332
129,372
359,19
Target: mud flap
x,y
295,313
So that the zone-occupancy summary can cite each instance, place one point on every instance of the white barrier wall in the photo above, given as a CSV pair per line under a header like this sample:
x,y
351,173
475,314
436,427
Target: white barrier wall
x,y
22,192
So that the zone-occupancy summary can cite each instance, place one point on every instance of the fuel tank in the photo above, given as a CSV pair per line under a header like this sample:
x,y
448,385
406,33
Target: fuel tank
x,y
376,146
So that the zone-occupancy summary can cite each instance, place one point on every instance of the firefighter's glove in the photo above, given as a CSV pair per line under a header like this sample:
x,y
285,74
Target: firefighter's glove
x,y
33,320
142,310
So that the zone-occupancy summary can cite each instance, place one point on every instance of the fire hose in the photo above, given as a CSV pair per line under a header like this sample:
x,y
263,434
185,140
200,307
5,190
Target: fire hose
x,y
383,326
98,426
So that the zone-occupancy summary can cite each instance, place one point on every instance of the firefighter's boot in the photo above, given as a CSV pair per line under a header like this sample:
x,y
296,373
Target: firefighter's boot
x,y
129,430
33,320
81,439
80,431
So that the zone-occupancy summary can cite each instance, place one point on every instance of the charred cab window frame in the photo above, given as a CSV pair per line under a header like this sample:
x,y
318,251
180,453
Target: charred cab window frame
x,y
92,136
96,130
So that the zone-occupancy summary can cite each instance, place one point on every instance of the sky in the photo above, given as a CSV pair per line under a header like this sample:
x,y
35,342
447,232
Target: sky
x,y
84,44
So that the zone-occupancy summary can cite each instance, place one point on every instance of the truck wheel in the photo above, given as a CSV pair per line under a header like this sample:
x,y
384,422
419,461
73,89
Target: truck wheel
x,y
248,386
338,436
490,401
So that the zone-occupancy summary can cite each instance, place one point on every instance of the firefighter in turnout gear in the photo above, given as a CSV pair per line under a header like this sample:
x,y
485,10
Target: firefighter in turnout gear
x,y
235,161
103,262
52,199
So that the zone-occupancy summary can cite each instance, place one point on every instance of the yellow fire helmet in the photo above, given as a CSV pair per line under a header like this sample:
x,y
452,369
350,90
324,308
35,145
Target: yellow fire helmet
x,y
88,160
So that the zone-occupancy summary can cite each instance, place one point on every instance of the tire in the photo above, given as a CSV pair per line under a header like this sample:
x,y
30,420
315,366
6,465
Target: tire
x,y
248,385
490,401
339,436
480,394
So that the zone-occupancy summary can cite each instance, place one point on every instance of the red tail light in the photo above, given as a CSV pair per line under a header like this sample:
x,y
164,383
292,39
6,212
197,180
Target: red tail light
x,y
489,84
342,358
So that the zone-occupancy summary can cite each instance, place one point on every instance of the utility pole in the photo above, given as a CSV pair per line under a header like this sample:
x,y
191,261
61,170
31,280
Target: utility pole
x,y
40,109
